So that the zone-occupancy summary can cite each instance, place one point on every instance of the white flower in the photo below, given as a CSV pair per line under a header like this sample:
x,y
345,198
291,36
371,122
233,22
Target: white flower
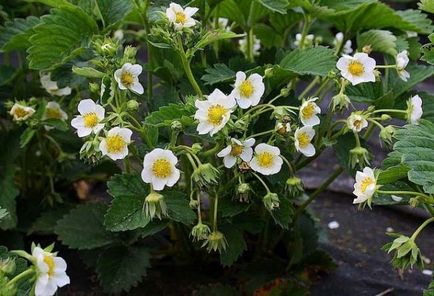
x,y
308,112
267,160
51,272
248,91
356,122
223,24
365,185
118,35
414,109
214,112
402,62
159,169
115,144
127,77
179,17
241,149
89,119
339,38
256,45
308,40
54,111
303,137
51,86
357,69
21,112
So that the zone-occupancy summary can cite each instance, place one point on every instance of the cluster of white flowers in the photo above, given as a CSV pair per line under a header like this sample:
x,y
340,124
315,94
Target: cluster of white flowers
x,y
347,47
51,86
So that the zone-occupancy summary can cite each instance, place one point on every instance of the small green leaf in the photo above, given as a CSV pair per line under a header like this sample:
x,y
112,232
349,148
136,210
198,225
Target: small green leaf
x,y
312,61
87,72
83,227
121,268
27,136
218,73
15,34
278,6
61,36
379,40
178,207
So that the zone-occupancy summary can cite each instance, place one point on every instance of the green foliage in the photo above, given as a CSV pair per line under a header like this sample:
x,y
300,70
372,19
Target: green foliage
x,y
430,290
165,116
178,207
278,6
428,6
83,227
311,61
380,40
15,34
283,215
416,144
120,268
127,209
8,194
236,245
218,73
60,37
113,11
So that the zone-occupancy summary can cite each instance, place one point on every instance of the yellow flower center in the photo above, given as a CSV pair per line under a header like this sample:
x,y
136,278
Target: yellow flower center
x,y
236,150
246,88
216,113
20,112
356,68
115,143
162,168
127,78
90,120
308,111
53,113
303,140
357,123
265,159
50,263
365,183
180,18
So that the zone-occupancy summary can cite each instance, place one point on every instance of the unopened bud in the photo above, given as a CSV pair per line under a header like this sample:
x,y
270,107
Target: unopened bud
x,y
367,49
385,117
132,105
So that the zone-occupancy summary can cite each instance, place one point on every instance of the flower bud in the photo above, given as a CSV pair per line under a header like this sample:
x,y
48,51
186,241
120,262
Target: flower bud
x,y
7,266
216,241
414,202
196,148
340,101
106,47
387,133
269,72
385,117
94,87
205,175
294,186
176,125
367,49
130,54
132,105
243,192
284,92
241,125
271,201
359,156
155,206
200,232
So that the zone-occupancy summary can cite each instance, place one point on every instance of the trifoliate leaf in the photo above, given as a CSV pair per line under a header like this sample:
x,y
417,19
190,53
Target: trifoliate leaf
x,y
121,268
278,6
218,73
15,34
60,37
416,144
312,61
127,209
236,245
379,40
83,227
8,193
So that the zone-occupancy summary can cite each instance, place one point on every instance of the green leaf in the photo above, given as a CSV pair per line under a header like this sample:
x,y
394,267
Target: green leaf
x,y
428,6
416,144
418,73
87,72
26,137
53,3
418,21
268,36
3,213
121,268
380,40
430,290
216,35
126,211
179,208
278,6
428,53
57,124
393,174
283,215
46,223
113,11
230,10
428,106
60,37
218,73
236,245
8,193
15,34
83,227
167,114
230,208
313,61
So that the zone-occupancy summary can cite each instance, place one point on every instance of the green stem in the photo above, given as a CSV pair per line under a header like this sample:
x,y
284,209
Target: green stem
x,y
389,110
385,66
21,276
216,202
318,191
421,227
261,133
309,87
398,192
262,181
250,41
187,68
306,26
